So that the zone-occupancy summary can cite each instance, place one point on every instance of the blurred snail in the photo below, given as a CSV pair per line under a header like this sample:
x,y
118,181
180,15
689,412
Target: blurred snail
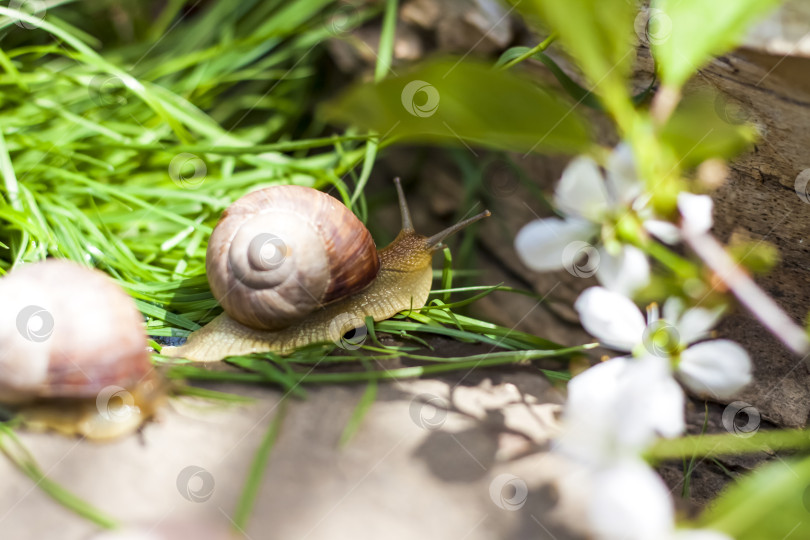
x,y
73,351
293,266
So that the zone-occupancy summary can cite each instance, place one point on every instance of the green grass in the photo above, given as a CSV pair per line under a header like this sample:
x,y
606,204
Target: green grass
x,y
89,138
15,451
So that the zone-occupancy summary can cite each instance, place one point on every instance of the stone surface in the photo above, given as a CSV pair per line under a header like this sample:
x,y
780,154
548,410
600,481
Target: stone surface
x,y
421,465
784,32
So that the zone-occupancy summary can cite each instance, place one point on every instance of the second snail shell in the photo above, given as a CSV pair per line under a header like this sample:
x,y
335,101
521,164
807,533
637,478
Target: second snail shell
x,y
279,253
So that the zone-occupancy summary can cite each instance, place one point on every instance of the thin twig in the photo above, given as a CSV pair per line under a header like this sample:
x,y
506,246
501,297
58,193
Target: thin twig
x,y
747,291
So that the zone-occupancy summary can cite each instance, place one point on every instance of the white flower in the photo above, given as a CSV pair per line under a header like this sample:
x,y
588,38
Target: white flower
x,y
696,212
613,318
589,200
629,501
718,368
696,218
617,408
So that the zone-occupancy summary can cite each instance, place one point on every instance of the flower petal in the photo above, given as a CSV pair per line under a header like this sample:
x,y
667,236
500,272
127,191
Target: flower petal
x,y
581,191
617,408
630,502
696,323
589,416
651,403
663,230
718,368
623,181
610,317
696,211
625,273
673,309
540,244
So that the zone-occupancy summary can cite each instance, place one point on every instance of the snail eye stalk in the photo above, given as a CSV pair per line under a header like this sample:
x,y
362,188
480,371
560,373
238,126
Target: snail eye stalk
x,y
407,224
437,239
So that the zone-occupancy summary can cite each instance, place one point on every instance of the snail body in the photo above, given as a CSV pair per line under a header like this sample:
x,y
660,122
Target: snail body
x,y
381,283
73,353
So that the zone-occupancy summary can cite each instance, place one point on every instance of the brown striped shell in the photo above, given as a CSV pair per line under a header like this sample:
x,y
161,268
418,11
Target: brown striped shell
x,y
280,253
67,331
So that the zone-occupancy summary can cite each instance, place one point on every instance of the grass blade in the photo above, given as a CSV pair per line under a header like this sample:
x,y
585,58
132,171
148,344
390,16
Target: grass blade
x,y
256,472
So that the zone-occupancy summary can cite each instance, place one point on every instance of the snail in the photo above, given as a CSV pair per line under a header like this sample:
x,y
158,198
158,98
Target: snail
x,y
292,266
73,352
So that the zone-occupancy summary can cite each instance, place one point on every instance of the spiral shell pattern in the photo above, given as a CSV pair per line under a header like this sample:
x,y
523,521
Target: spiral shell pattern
x,y
280,253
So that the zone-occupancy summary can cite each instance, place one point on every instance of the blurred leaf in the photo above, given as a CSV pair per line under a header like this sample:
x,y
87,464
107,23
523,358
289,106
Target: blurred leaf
x,y
772,502
450,101
599,35
757,256
687,33
696,132
571,87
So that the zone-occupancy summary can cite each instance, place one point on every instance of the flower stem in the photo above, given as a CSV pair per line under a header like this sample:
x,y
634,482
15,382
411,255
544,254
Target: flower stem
x,y
729,443
762,306
680,266
664,103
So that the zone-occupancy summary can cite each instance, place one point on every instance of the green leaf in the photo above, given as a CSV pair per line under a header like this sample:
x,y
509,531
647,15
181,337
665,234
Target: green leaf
x,y
685,34
571,87
696,132
580,94
773,502
599,35
452,101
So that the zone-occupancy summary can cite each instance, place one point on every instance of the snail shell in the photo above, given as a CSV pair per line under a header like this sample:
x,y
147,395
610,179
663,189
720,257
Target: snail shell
x,y
71,334
360,282
279,253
